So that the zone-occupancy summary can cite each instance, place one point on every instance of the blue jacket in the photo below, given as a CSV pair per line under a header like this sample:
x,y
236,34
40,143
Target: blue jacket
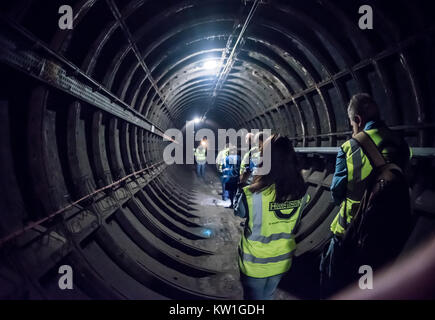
x,y
231,167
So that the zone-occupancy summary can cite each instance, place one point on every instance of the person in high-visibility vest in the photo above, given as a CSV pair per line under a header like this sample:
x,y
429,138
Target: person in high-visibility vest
x,y
249,140
273,206
220,160
221,157
230,174
251,159
201,158
352,172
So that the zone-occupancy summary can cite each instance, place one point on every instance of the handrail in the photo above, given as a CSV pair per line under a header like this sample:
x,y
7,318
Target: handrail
x,y
416,152
62,210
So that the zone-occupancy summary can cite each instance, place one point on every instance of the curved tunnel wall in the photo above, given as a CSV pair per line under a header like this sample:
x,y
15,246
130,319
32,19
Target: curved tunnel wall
x,y
294,70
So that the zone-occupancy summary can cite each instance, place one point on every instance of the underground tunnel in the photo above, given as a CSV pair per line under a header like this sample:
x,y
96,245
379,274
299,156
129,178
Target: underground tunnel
x,y
85,110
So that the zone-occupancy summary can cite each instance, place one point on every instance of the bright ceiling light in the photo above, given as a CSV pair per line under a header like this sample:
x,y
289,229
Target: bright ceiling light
x,y
210,65
197,120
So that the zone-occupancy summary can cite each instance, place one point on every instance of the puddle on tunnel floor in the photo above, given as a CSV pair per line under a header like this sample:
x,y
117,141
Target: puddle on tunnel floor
x,y
218,221
219,226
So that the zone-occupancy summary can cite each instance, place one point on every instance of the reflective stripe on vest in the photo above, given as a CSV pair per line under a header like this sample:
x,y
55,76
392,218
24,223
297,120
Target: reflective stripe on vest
x,y
358,170
251,258
252,154
221,158
268,243
200,154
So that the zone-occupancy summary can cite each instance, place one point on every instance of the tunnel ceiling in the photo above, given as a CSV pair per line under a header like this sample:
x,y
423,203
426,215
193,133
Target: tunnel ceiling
x,y
291,61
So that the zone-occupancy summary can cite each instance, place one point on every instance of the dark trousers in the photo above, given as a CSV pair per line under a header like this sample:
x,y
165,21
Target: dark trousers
x,y
336,269
259,288
230,186
200,169
224,190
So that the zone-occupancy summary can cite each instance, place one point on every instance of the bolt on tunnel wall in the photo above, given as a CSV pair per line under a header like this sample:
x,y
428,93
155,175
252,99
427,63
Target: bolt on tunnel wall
x,y
89,91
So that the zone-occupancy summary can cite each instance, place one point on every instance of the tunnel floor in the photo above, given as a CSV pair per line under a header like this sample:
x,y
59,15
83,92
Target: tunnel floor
x,y
217,221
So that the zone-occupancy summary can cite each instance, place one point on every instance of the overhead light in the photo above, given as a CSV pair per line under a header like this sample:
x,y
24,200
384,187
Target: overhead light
x,y
210,65
197,120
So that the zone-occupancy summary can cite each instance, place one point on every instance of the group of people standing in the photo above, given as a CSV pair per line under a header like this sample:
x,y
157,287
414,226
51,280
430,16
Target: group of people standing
x,y
236,172
273,204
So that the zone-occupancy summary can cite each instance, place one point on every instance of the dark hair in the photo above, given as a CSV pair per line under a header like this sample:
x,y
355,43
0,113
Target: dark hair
x,y
259,137
284,171
363,105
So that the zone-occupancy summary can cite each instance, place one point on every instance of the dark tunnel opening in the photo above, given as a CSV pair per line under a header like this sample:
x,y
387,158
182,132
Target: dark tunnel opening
x,y
85,114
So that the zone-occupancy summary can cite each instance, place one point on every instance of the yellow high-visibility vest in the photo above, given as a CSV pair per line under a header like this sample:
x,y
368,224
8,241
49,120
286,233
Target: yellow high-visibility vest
x,y
358,170
268,243
254,155
200,154
221,158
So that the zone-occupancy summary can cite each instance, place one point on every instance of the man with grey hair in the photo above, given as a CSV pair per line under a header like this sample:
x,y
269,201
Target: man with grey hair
x,y
351,179
362,109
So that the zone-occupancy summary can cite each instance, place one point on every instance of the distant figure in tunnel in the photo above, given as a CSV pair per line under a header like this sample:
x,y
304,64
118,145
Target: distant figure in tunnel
x,y
272,205
201,158
230,174
251,158
352,179
220,160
